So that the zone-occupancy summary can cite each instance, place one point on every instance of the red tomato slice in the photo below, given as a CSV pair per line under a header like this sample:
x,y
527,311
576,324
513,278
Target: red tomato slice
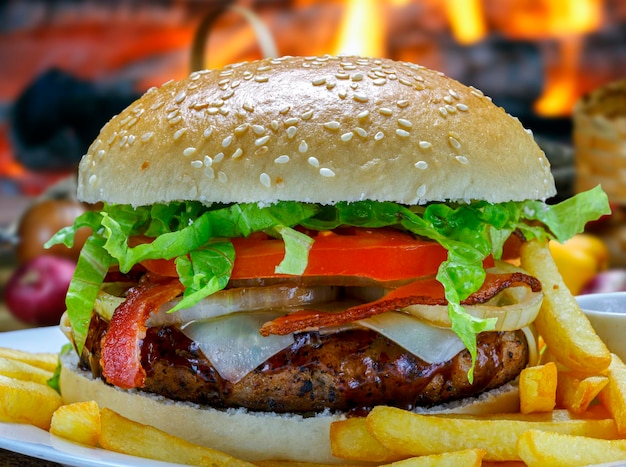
x,y
379,254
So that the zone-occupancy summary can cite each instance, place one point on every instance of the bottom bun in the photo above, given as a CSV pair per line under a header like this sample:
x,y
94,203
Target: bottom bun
x,y
247,435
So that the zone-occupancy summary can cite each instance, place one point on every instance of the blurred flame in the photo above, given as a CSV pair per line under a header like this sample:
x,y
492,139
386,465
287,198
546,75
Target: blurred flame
x,y
467,20
568,20
362,30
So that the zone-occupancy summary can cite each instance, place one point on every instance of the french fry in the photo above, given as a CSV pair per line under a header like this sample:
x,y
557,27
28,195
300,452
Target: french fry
x,y
466,458
24,371
404,432
118,433
537,388
44,360
575,392
79,422
27,402
562,324
349,439
539,448
271,463
613,395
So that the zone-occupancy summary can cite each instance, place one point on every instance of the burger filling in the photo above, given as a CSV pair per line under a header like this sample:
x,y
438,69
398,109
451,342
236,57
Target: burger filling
x,y
274,298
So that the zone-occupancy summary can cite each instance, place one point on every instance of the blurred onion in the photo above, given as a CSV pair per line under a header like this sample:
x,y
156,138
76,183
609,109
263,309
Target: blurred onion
x,y
612,280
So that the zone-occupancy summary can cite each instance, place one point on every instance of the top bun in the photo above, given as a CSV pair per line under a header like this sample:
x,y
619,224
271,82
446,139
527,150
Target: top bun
x,y
315,129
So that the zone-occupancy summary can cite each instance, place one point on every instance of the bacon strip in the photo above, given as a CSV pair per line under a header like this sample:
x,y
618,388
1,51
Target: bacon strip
x,y
425,291
121,350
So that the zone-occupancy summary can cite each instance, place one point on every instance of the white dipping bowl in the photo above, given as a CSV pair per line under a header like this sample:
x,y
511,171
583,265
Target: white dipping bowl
x,y
607,314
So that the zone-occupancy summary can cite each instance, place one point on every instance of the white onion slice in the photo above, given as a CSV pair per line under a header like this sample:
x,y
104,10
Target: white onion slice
x,y
514,308
233,344
430,343
244,299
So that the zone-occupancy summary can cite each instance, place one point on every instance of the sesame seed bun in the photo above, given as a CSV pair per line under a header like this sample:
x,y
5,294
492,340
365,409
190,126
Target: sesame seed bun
x,y
321,130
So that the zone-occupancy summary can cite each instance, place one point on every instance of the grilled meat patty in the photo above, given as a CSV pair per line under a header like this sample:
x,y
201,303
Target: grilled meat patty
x,y
352,370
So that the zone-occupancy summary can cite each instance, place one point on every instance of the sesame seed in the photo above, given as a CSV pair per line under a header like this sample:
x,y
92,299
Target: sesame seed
x,y
261,150
112,138
421,191
282,159
422,165
175,120
378,136
222,177
462,107
241,129
226,141
419,86
454,94
209,172
235,84
357,77
92,179
450,109
218,157
342,75
329,86
208,162
196,164
190,151
362,115
379,81
237,154
402,133
313,161
326,172
291,132
284,110
462,159
224,111
443,111
156,105
347,136
402,103
477,92
208,132
405,123
307,115
262,140
342,94
261,79
454,142
180,97
258,129
100,154
265,180
385,111
360,97
361,132
318,81
425,145
291,121
172,114
303,147
448,99
248,106
147,136
334,125
264,68
405,82
274,125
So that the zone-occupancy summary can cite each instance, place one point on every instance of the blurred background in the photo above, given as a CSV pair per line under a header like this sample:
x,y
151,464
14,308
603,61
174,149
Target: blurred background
x,y
67,66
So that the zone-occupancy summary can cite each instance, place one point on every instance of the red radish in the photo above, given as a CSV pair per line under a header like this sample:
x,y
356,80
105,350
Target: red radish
x,y
35,293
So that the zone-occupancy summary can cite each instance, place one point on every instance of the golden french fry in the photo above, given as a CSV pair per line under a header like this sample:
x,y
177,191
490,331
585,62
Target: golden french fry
x,y
404,432
27,402
349,439
24,371
540,448
271,463
613,395
537,388
466,458
118,433
44,360
562,324
79,422
575,392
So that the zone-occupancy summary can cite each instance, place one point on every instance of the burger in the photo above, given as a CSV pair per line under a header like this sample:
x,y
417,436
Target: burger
x,y
292,241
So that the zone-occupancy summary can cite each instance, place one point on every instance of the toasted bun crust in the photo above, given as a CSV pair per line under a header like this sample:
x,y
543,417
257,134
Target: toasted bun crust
x,y
320,130
252,436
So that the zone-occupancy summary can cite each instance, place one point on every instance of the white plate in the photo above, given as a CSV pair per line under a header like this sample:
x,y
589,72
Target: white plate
x,y
38,443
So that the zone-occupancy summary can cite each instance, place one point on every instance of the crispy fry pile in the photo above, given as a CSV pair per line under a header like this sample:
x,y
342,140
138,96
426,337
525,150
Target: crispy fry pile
x,y
572,407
